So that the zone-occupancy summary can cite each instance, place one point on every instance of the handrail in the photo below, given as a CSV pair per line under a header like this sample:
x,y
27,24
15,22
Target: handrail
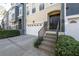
x,y
42,30
57,30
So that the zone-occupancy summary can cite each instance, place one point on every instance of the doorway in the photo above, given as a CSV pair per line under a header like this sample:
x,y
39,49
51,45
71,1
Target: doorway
x,y
53,21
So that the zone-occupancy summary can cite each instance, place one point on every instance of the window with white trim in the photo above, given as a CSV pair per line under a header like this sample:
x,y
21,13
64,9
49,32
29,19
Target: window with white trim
x,y
41,6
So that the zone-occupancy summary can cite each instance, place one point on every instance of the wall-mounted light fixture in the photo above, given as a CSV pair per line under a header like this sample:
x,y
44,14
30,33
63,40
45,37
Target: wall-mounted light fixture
x,y
33,21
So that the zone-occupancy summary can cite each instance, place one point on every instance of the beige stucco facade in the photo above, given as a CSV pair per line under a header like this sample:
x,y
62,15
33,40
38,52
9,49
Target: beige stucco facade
x,y
35,21
41,16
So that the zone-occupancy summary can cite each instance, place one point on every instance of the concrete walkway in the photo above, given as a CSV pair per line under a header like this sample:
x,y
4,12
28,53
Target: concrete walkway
x,y
19,46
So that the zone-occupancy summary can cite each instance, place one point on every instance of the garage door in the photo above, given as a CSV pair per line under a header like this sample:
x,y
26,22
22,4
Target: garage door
x,y
72,27
33,29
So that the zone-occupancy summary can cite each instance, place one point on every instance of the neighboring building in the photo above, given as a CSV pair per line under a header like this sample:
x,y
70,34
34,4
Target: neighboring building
x,y
15,18
72,20
2,13
5,23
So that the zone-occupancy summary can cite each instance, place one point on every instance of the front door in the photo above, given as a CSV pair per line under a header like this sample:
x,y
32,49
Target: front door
x,y
53,22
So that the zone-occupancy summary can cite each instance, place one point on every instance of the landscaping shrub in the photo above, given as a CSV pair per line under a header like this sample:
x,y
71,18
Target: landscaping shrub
x,y
38,42
8,33
67,46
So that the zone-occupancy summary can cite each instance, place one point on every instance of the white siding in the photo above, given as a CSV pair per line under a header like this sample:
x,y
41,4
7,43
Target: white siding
x,y
72,29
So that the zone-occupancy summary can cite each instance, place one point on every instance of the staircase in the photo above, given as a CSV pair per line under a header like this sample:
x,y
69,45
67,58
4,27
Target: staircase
x,y
48,43
49,39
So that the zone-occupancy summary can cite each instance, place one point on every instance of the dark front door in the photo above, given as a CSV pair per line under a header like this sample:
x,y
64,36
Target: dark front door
x,y
53,22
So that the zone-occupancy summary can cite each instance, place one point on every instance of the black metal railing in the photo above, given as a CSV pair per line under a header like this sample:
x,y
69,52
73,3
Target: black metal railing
x,y
42,30
57,30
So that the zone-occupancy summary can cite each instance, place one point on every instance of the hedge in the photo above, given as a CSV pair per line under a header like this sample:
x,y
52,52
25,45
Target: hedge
x,y
67,46
8,33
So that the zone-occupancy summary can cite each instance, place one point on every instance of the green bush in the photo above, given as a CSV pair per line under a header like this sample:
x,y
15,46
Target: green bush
x,y
67,46
8,33
38,42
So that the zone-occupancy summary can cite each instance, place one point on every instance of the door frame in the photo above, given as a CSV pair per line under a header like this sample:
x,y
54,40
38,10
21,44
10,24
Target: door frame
x,y
53,13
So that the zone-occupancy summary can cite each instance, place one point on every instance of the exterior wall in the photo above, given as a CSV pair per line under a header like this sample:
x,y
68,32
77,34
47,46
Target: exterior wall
x,y
72,21
21,16
39,17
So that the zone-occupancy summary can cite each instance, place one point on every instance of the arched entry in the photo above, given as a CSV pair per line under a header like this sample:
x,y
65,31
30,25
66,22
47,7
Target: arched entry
x,y
54,18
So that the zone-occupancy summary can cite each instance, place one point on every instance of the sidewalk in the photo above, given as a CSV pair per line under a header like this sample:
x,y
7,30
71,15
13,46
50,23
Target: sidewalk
x,y
19,46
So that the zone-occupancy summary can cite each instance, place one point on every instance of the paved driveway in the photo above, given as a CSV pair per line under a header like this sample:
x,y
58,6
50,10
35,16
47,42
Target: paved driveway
x,y
19,46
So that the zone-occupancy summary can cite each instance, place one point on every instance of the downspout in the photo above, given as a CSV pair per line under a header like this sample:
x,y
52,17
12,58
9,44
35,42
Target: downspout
x,y
24,16
62,23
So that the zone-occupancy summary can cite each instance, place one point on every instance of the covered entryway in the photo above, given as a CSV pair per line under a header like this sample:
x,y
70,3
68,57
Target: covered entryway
x,y
54,18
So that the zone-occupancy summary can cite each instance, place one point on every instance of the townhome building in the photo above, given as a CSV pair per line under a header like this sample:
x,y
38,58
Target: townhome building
x,y
39,13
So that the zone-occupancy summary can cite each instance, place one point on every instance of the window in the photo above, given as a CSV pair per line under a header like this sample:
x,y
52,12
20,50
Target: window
x,y
20,10
41,7
33,8
27,10
13,16
51,3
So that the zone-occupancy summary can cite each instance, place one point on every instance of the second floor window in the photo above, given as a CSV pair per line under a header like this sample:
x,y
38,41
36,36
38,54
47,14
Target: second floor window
x,y
20,10
27,12
33,10
13,16
41,7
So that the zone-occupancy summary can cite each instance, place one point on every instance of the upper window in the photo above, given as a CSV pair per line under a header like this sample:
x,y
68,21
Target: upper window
x,y
41,7
20,10
51,3
33,8
13,16
27,10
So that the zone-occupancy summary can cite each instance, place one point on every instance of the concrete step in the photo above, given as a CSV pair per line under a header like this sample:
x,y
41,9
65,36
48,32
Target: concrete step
x,y
50,37
47,49
50,40
48,44
50,32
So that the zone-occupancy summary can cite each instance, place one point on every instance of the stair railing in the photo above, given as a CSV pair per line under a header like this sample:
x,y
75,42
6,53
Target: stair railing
x,y
42,30
57,30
